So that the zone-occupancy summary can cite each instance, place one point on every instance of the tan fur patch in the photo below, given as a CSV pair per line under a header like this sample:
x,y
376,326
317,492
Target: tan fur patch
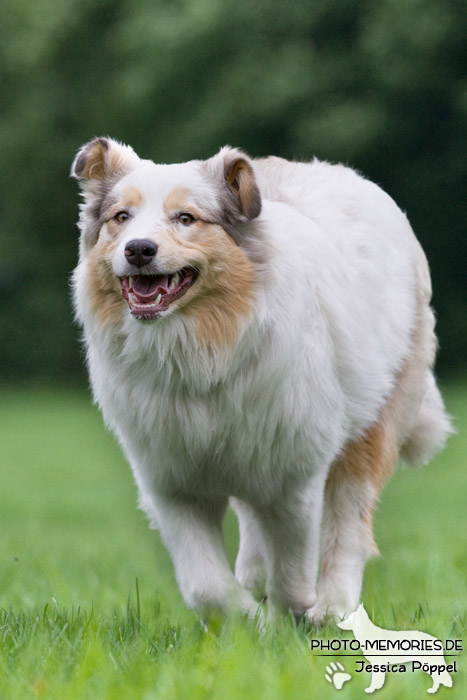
x,y
177,200
224,288
105,297
132,197
373,457
370,458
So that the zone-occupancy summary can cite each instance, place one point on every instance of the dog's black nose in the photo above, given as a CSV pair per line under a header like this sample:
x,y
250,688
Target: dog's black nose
x,y
140,251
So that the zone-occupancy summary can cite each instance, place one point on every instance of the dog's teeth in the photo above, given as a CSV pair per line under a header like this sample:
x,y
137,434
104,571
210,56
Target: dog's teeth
x,y
158,298
130,281
174,281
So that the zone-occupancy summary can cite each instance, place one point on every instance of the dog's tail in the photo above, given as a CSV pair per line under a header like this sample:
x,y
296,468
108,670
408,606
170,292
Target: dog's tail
x,y
432,427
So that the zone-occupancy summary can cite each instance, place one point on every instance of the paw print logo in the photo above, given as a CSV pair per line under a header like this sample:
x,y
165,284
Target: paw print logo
x,y
336,675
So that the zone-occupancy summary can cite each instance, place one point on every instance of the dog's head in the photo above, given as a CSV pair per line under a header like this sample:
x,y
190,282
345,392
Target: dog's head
x,y
159,239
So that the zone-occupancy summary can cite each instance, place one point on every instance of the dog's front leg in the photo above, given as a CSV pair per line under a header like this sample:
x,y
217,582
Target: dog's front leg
x,y
250,563
291,533
192,532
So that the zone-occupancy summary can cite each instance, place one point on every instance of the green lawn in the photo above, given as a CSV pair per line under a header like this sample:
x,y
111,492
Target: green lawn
x,y
89,603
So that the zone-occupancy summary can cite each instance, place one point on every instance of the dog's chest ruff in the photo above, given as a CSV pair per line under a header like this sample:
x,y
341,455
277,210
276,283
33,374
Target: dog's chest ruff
x,y
193,422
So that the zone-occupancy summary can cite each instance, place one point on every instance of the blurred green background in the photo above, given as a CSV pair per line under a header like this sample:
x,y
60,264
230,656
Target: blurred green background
x,y
378,85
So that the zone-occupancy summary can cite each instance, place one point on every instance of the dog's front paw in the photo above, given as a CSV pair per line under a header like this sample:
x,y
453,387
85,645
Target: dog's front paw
x,y
323,613
250,572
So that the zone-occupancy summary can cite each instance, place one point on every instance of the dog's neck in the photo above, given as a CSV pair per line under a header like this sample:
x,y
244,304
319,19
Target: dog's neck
x,y
169,353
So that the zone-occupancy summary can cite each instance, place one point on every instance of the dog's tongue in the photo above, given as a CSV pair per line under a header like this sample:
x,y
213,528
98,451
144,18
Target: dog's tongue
x,y
148,287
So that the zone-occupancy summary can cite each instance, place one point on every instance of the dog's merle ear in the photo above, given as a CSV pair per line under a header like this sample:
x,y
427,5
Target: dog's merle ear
x,y
234,170
98,166
103,158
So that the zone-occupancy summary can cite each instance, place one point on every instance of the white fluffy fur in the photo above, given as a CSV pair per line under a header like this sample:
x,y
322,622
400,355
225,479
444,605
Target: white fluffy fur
x,y
312,366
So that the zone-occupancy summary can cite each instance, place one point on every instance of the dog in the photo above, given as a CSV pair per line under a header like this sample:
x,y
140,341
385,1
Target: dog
x,y
259,331
369,635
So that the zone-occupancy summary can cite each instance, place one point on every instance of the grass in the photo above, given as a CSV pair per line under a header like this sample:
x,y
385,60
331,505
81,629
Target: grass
x,y
89,607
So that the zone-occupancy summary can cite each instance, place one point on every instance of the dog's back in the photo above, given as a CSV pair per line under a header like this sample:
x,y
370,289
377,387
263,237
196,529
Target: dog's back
x,y
330,194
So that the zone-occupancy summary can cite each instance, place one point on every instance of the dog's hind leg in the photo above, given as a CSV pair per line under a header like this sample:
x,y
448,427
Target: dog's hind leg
x,y
352,489
413,419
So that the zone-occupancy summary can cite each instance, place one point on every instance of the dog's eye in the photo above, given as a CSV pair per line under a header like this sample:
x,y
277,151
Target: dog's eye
x,y
185,219
121,217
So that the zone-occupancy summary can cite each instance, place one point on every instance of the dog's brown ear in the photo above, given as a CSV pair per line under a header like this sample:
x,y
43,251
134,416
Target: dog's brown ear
x,y
103,158
240,178
98,165
234,168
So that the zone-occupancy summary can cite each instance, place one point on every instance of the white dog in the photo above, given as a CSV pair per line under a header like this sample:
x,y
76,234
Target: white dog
x,y
258,330
370,636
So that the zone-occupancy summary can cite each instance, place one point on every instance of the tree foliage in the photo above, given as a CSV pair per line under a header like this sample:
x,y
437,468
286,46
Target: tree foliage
x,y
380,86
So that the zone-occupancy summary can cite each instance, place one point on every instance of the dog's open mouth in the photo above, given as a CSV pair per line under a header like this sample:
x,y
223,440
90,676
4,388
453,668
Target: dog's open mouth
x,y
150,295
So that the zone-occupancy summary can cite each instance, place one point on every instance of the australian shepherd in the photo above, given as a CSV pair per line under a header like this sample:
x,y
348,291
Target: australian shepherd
x,y
259,332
